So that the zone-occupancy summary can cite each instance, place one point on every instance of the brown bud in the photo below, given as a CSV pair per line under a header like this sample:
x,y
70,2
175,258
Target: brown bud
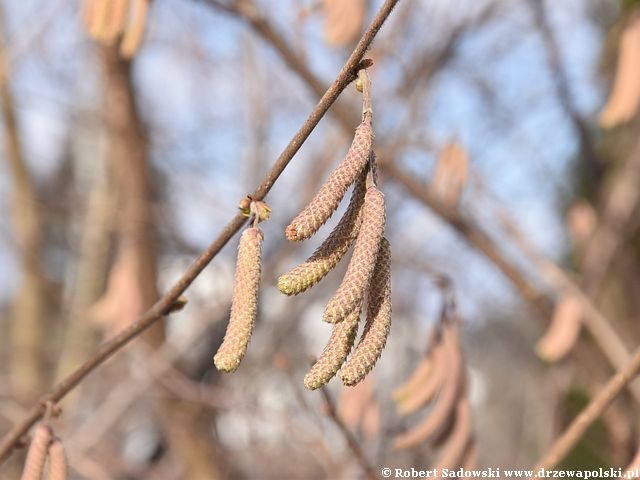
x,y
358,276
331,251
330,194
244,304
178,305
245,205
376,330
57,462
34,464
335,353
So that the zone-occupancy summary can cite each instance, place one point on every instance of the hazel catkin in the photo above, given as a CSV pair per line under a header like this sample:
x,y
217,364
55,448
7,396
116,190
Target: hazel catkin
x,y
322,206
331,251
365,252
335,353
244,303
378,325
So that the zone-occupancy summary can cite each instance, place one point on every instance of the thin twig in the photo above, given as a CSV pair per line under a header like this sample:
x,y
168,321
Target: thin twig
x,y
565,442
354,446
367,106
162,306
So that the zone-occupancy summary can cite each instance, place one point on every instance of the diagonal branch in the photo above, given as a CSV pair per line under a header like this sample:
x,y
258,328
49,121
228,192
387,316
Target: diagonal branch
x,y
563,444
163,306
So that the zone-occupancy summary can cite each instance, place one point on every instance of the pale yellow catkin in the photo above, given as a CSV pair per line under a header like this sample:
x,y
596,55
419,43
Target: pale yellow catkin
x,y
57,462
37,454
376,331
365,252
335,353
244,304
325,202
331,251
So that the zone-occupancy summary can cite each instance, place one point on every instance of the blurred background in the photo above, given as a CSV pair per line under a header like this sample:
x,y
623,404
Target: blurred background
x,y
506,132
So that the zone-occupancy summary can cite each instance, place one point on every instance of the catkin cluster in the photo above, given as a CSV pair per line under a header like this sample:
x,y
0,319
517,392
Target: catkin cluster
x,y
368,273
45,446
439,380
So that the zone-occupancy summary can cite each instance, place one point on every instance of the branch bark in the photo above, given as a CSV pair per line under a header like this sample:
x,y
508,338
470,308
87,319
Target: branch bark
x,y
163,306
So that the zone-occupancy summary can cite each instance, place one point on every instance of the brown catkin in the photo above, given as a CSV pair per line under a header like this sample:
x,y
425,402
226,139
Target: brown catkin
x,y
376,330
57,462
365,252
330,194
335,353
34,464
331,251
244,304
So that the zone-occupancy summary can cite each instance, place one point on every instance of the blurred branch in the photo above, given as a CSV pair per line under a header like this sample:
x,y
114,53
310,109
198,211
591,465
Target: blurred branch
x,y
621,202
563,92
354,446
27,329
158,364
163,306
578,427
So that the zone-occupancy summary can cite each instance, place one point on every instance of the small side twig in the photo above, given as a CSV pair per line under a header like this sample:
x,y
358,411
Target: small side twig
x,y
351,440
565,442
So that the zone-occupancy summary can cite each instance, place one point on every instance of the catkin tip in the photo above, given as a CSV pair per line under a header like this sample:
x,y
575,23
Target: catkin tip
x,y
325,202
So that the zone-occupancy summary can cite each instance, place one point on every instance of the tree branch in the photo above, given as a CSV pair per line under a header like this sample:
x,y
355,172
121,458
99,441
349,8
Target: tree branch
x,y
563,444
163,306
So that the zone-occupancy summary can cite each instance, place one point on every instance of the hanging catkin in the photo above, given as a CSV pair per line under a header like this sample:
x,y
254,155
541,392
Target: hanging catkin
x,y
57,462
244,304
331,251
365,252
335,353
330,194
376,330
34,464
